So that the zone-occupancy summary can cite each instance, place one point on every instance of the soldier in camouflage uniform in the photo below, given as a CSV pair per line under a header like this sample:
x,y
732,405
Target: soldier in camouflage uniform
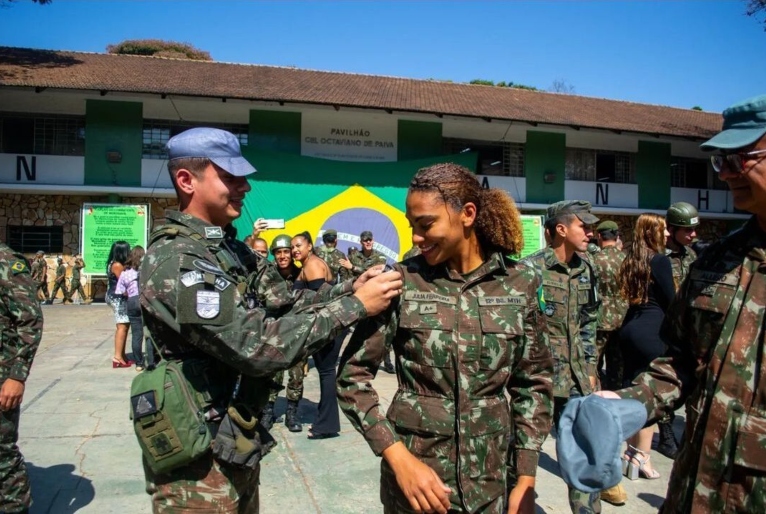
x,y
209,301
280,249
467,330
60,282
412,252
21,327
714,330
332,256
681,221
606,264
40,274
571,307
360,261
76,285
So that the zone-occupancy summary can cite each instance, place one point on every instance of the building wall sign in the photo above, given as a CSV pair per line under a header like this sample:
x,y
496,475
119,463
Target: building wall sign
x,y
349,136
705,200
515,186
602,194
42,169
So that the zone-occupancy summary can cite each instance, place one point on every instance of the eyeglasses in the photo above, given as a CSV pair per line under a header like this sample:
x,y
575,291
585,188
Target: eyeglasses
x,y
366,240
736,161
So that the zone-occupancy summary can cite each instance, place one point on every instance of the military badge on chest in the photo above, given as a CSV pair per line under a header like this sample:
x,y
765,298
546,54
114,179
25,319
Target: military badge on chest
x,y
208,304
550,309
583,279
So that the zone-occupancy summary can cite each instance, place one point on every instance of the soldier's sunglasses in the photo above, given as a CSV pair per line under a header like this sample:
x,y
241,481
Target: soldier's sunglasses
x,y
366,240
735,161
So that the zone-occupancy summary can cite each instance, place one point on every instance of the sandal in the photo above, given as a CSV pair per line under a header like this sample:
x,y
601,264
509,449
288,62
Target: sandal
x,y
121,364
637,466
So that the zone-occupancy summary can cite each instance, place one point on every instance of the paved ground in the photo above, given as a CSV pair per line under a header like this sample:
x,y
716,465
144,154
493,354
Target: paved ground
x,y
83,457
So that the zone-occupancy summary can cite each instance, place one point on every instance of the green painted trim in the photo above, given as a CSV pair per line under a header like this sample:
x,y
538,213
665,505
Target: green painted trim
x,y
418,140
653,175
113,127
276,131
544,153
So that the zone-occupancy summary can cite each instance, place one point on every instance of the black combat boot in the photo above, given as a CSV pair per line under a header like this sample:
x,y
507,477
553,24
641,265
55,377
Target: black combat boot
x,y
267,416
667,446
291,417
388,366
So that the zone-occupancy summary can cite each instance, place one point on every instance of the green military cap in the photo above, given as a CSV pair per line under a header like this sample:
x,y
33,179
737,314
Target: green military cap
x,y
744,123
330,232
579,208
365,235
607,225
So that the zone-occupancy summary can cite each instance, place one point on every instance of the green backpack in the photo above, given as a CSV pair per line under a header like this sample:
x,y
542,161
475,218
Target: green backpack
x,y
169,417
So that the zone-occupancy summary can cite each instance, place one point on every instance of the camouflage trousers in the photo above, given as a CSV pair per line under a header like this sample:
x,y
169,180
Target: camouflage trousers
x,y
609,359
76,287
14,482
206,486
60,285
579,501
295,377
43,286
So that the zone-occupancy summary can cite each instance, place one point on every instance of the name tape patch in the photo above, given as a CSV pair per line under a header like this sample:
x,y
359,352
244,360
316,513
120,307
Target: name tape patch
x,y
485,301
191,278
429,297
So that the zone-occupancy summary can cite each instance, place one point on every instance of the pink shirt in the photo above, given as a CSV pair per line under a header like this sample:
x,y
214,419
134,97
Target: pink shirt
x,y
128,281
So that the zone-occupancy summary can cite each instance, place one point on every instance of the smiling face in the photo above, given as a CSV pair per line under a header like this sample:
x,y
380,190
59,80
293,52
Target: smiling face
x,y
283,258
216,196
748,188
439,231
367,244
301,248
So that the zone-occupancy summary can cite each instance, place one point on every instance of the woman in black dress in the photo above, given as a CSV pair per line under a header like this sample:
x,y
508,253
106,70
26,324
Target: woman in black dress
x,y
646,281
315,272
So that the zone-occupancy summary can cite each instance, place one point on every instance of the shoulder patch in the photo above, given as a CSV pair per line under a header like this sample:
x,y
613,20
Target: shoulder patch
x,y
213,232
19,266
206,266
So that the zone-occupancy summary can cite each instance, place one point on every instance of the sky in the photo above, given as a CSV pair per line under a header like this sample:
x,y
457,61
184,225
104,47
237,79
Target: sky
x,y
680,53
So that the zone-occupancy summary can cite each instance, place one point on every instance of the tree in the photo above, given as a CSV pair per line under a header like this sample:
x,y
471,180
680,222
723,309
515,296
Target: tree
x,y
561,86
502,83
696,108
159,48
756,8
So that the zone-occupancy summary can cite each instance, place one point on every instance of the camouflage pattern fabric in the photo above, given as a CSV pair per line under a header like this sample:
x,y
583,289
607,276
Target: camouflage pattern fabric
x,y
333,256
715,334
205,295
361,263
60,283
680,262
76,285
412,252
570,303
21,328
460,343
606,265
40,276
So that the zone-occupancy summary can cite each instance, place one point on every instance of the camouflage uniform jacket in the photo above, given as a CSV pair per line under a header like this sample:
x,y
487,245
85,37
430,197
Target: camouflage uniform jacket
x,y
570,302
715,335
412,252
333,256
680,262
39,270
460,343
76,269
201,298
60,274
361,263
606,265
21,319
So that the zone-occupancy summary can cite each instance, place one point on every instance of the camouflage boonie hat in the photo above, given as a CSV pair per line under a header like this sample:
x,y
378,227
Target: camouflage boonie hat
x,y
579,208
365,235
607,225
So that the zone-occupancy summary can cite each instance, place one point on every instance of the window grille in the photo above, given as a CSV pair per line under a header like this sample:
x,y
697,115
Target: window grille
x,y
600,165
31,239
42,134
494,157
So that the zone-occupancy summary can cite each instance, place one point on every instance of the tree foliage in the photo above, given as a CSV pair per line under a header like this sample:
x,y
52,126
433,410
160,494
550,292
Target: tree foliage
x,y
562,86
159,48
757,8
502,83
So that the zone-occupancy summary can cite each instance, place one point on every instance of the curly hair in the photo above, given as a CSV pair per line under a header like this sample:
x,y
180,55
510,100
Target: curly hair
x,y
635,273
498,221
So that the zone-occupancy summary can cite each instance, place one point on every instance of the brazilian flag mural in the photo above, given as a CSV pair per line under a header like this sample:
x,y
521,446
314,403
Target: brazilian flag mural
x,y
318,194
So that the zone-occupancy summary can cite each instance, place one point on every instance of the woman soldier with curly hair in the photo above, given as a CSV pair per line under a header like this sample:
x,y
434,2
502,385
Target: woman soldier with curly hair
x,y
466,330
646,281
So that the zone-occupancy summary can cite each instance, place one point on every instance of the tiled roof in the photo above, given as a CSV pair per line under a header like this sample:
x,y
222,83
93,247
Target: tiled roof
x,y
139,74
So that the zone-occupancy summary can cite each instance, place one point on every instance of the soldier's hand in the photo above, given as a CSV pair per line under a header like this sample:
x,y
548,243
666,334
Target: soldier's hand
x,y
259,226
522,497
346,263
377,292
420,484
11,394
609,395
374,271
